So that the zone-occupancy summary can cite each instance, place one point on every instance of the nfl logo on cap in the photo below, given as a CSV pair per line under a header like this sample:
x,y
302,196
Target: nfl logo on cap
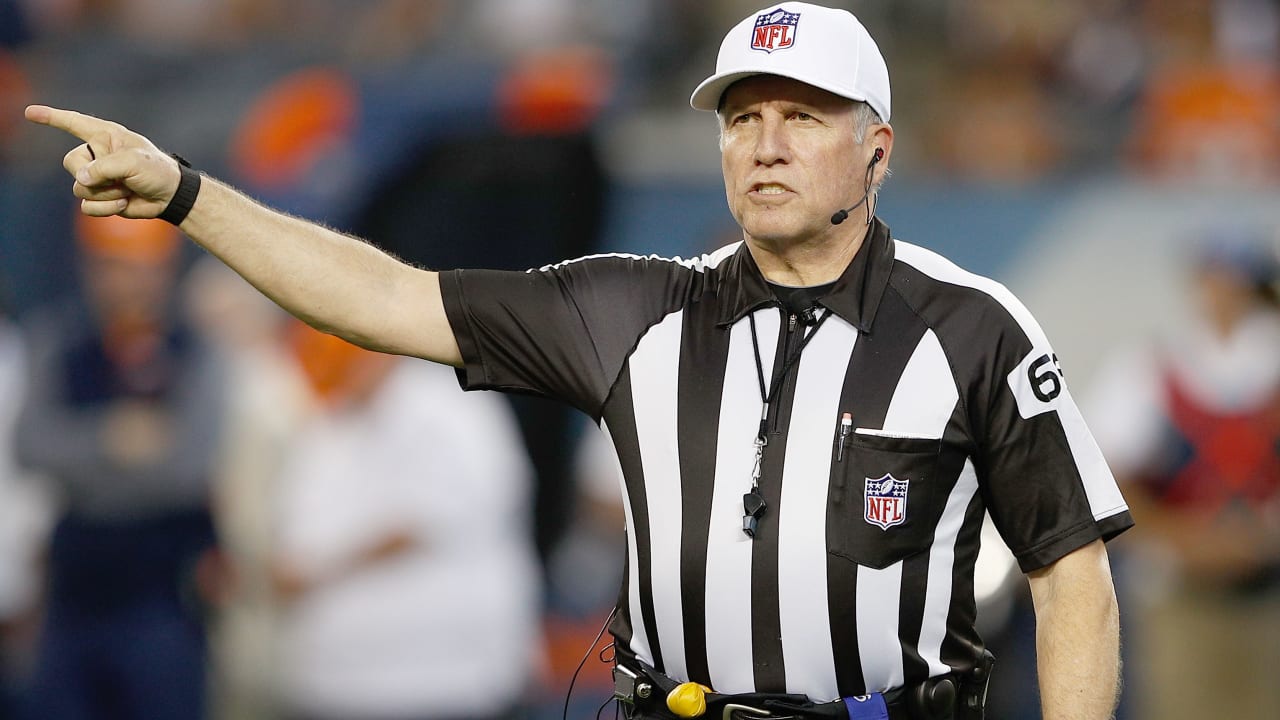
x,y
837,55
775,30
886,501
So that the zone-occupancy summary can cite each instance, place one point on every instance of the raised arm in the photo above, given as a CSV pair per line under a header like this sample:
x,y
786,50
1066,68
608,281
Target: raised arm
x,y
336,283
1077,636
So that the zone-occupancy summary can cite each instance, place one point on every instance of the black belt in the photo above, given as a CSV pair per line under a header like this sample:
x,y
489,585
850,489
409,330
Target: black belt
x,y
945,697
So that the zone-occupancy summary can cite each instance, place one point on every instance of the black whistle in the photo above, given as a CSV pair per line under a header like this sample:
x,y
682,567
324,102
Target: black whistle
x,y
752,508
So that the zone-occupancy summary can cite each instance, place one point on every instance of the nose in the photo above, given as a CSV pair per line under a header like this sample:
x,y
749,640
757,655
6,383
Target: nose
x,y
772,143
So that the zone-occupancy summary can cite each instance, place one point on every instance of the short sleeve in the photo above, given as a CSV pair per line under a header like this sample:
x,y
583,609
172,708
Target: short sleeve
x,y
1040,473
562,331
1044,479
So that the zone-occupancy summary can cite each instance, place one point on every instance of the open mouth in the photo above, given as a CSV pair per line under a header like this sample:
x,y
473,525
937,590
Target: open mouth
x,y
770,189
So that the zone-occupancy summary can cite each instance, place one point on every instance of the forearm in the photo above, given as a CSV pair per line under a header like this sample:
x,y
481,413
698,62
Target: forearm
x,y
1079,667
193,416
294,577
332,281
1077,636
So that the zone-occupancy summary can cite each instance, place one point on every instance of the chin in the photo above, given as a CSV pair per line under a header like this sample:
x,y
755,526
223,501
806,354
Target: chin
x,y
774,232
765,223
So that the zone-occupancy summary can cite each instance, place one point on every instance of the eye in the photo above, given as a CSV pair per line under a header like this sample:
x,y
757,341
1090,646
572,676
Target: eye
x,y
741,118
803,116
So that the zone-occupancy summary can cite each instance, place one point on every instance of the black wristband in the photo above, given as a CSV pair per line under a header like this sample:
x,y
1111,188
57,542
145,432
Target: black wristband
x,y
185,197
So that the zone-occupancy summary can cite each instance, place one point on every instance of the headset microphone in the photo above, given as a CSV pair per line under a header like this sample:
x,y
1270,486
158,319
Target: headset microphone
x,y
841,215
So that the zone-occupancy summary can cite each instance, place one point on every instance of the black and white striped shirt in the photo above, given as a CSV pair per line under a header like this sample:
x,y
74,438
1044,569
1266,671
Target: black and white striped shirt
x,y
860,575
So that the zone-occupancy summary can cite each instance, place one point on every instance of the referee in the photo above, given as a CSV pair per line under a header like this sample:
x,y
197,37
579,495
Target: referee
x,y
810,423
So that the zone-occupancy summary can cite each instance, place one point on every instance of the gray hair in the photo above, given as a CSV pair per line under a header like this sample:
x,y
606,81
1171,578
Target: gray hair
x,y
864,116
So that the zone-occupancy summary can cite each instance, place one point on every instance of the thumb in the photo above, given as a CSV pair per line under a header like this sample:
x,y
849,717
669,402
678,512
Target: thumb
x,y
150,176
107,170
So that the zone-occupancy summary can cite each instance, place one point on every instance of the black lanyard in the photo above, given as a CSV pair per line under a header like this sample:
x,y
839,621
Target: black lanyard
x,y
753,505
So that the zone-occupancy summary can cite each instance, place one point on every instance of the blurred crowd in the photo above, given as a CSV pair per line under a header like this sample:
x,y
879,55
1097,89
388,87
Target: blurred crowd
x,y
207,508
1004,90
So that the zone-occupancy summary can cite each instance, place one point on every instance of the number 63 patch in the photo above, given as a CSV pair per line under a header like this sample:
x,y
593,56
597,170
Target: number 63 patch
x,y
1036,383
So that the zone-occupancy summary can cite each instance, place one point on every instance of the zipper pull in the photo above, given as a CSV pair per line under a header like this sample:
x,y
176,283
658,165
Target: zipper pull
x,y
846,426
791,323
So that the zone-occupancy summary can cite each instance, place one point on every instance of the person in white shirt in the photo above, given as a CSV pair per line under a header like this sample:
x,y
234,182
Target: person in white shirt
x,y
405,562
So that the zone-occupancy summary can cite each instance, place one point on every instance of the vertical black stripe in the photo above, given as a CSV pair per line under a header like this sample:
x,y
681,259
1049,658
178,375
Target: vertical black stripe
x,y
875,368
704,353
620,628
915,579
766,621
961,646
627,443
915,571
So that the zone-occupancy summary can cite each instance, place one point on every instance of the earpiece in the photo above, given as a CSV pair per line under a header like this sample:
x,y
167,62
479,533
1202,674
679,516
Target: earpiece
x,y
841,215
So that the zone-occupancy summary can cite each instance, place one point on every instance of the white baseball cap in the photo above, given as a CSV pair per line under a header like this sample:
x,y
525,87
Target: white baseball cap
x,y
824,47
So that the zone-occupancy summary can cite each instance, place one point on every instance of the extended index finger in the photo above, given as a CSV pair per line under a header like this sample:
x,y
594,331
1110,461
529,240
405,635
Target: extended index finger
x,y
78,124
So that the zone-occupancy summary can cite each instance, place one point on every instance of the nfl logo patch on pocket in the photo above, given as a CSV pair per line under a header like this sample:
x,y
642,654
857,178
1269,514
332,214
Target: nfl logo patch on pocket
x,y
886,501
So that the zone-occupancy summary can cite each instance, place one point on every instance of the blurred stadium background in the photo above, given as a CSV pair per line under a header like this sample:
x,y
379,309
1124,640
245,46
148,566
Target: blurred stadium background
x,y
1075,151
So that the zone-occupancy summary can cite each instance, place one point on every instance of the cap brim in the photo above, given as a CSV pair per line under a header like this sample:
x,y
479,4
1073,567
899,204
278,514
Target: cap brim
x,y
707,95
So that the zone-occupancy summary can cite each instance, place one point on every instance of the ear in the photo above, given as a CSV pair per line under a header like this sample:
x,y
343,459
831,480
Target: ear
x,y
879,137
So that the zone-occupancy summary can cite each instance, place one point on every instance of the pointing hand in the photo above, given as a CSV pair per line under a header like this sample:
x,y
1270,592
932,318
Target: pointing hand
x,y
116,171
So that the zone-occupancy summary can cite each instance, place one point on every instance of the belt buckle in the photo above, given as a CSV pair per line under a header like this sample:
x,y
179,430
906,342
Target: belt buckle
x,y
628,685
624,684
730,708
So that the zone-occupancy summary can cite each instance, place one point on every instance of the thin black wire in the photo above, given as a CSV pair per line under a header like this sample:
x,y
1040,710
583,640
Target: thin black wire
x,y
867,195
755,345
573,680
605,704
786,365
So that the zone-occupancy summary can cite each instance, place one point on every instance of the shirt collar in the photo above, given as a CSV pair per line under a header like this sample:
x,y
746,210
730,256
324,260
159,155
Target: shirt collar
x,y
855,296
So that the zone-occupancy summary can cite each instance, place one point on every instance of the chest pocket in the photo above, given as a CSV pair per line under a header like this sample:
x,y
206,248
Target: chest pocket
x,y
886,498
